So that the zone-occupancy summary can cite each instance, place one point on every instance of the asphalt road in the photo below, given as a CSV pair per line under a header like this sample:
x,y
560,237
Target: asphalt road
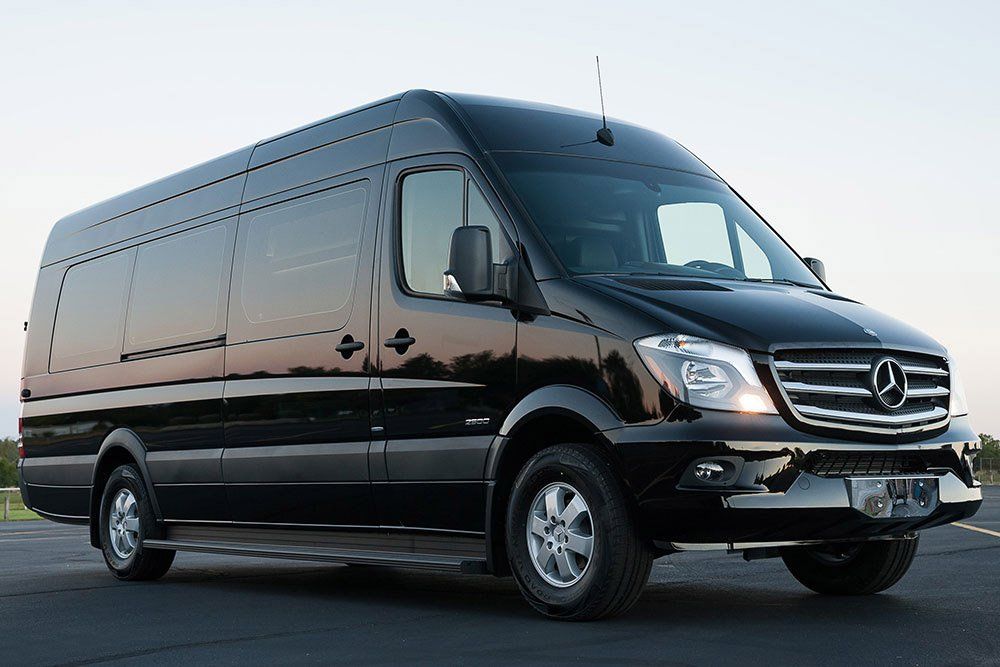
x,y
58,605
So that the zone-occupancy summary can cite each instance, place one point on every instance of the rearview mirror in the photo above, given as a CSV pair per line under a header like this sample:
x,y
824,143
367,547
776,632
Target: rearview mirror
x,y
817,267
470,265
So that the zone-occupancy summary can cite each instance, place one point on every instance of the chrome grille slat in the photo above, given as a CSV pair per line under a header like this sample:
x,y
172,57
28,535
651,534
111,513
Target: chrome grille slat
x,y
832,388
804,387
894,420
815,366
923,370
924,393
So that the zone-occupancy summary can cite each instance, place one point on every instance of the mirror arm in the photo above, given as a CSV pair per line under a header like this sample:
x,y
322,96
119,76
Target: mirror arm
x,y
526,297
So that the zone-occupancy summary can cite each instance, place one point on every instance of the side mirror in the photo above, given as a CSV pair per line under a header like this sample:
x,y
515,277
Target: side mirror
x,y
817,267
470,265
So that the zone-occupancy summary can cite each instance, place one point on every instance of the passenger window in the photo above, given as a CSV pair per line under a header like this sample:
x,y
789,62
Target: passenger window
x,y
755,262
90,316
179,289
695,231
300,261
431,210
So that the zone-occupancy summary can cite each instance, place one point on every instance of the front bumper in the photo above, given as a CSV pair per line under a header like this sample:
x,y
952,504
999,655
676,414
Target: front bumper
x,y
779,493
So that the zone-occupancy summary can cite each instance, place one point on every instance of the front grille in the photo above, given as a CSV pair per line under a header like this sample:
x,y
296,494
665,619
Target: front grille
x,y
848,464
833,388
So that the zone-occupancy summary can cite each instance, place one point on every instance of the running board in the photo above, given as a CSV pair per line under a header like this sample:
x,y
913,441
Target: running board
x,y
327,555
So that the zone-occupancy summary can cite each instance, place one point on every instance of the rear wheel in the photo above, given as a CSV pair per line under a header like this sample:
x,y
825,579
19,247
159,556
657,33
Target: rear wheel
x,y
847,568
126,517
571,539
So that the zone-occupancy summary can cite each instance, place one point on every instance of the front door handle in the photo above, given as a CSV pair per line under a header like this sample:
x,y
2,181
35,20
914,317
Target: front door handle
x,y
401,341
349,346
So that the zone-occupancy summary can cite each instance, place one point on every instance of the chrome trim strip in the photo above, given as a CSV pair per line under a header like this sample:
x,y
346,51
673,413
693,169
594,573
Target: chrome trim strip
x,y
403,383
124,398
924,370
804,387
893,420
927,392
783,365
298,385
740,546
821,366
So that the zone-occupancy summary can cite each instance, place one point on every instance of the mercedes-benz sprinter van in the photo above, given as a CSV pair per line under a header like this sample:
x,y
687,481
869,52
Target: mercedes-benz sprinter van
x,y
471,334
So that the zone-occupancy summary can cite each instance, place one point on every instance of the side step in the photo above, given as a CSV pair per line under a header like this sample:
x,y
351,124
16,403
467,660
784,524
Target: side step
x,y
421,561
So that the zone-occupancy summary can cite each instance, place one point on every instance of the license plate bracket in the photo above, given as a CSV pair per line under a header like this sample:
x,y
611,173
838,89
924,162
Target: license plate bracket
x,y
893,497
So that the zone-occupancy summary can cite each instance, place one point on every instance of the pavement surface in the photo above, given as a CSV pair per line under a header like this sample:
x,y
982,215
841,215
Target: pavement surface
x,y
58,605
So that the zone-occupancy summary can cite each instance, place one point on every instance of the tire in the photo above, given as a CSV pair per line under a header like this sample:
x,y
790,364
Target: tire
x,y
124,554
568,586
845,569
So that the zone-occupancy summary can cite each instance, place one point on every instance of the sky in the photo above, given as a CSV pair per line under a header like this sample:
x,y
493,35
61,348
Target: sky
x,y
866,133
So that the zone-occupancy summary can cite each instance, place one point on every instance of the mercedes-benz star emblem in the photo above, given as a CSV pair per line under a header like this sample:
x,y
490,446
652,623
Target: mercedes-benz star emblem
x,y
888,382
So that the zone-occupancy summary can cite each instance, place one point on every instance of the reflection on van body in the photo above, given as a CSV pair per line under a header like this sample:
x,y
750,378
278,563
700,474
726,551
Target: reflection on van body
x,y
452,332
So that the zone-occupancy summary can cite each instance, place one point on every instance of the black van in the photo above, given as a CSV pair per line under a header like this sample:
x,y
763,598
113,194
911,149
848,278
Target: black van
x,y
471,334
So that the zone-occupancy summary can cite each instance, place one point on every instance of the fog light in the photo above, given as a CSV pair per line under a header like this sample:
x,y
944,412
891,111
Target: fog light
x,y
709,471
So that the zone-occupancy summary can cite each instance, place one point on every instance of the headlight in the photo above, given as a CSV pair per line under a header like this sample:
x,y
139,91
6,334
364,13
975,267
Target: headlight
x,y
959,406
705,374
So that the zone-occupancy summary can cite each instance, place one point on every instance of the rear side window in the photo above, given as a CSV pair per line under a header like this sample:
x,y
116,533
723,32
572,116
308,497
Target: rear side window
x,y
179,289
90,316
299,263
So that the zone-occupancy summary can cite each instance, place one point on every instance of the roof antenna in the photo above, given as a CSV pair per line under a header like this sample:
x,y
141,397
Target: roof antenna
x,y
604,135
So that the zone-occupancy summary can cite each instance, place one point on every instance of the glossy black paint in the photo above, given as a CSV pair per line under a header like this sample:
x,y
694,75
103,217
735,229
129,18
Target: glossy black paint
x,y
425,435
442,398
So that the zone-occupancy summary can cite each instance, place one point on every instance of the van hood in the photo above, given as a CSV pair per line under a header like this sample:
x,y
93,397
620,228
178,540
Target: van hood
x,y
762,317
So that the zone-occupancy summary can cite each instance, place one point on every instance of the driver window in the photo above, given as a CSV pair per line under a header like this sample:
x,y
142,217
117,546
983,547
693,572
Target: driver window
x,y
694,231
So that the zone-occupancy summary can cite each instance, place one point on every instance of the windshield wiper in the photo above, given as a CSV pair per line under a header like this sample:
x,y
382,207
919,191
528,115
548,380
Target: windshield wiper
x,y
780,281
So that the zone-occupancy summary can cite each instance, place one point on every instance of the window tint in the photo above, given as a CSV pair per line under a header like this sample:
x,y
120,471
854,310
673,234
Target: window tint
x,y
300,261
695,231
431,211
480,213
90,316
178,290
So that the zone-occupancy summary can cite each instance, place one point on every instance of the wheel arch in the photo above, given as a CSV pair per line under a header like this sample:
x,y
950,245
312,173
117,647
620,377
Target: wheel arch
x,y
550,415
121,446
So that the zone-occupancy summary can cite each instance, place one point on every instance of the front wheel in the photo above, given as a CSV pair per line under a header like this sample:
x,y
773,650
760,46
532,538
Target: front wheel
x,y
861,568
571,540
126,517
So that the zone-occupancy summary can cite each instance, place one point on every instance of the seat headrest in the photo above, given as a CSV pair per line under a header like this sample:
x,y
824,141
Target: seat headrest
x,y
592,253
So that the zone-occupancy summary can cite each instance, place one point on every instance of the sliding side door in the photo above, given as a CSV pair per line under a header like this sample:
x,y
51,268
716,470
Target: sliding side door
x,y
296,399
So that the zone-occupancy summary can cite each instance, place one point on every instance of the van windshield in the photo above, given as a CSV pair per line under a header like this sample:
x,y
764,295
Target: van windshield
x,y
604,217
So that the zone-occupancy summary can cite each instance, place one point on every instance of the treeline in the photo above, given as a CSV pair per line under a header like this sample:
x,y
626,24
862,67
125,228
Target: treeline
x,y
8,457
991,446
8,462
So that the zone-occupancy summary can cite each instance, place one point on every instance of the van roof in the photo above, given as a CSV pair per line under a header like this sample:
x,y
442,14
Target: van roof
x,y
496,124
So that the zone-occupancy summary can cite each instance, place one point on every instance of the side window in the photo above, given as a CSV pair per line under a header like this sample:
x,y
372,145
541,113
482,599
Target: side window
x,y
695,231
480,213
755,261
431,210
179,289
90,316
299,264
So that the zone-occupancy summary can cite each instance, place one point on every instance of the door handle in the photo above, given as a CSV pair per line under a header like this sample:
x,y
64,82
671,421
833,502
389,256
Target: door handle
x,y
401,341
349,346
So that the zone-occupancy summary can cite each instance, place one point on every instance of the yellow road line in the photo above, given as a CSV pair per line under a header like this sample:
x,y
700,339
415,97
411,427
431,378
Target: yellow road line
x,y
977,529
